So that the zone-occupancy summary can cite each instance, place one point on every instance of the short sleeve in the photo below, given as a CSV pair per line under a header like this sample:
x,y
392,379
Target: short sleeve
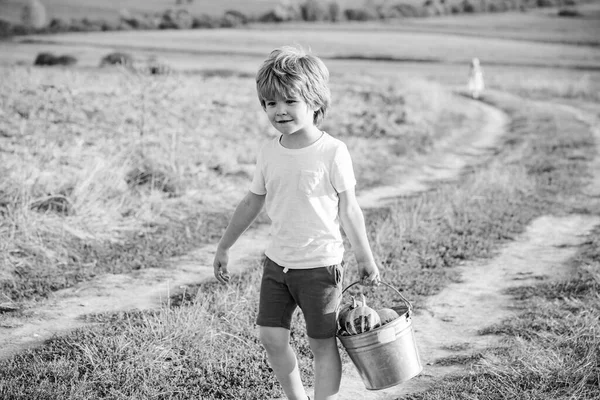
x,y
258,181
342,174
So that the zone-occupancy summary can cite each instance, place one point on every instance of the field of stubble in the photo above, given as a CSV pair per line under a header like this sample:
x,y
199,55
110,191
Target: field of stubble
x,y
108,172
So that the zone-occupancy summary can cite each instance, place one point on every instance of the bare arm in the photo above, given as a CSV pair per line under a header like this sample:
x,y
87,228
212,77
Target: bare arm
x,y
353,223
243,216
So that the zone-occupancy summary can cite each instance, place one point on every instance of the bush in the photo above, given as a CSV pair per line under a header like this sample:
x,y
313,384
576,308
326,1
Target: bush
x,y
205,21
91,25
144,21
117,58
285,10
500,6
21,29
122,26
511,4
359,14
180,19
269,17
58,25
408,10
6,28
312,10
387,11
65,60
49,59
77,26
431,8
568,12
237,15
108,26
335,11
469,7
233,18
44,59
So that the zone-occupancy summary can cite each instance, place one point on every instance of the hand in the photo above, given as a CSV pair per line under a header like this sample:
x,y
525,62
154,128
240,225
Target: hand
x,y
220,266
370,275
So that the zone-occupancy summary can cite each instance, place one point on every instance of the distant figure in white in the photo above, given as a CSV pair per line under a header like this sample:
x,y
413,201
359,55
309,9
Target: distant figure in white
x,y
476,84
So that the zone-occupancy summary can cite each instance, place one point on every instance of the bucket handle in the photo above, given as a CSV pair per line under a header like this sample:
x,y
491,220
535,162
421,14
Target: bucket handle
x,y
408,304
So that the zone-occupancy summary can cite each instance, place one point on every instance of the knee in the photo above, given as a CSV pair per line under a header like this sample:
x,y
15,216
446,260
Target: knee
x,y
323,347
273,341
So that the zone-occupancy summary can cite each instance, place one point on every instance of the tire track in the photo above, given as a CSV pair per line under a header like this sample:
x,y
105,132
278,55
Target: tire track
x,y
149,288
449,322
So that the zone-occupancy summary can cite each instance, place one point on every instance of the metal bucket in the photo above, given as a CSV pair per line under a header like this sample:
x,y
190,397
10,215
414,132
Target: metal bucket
x,y
385,356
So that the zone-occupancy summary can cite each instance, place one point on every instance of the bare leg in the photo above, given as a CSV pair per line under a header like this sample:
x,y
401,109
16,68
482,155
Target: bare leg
x,y
282,359
328,368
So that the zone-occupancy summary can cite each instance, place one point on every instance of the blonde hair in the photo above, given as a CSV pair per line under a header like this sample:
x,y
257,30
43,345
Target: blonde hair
x,y
290,72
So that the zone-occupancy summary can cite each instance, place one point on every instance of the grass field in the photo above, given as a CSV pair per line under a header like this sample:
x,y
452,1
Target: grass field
x,y
540,25
105,171
506,45
189,351
514,25
391,44
168,144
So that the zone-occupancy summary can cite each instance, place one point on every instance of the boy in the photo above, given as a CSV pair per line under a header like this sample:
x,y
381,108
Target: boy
x,y
306,179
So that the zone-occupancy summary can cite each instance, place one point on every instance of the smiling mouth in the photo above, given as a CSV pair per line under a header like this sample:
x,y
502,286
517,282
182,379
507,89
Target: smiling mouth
x,y
284,122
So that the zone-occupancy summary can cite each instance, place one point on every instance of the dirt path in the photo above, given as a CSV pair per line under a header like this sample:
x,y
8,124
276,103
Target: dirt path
x,y
142,289
147,288
467,146
451,319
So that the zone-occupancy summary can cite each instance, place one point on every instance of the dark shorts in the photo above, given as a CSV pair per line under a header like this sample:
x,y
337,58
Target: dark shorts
x,y
317,291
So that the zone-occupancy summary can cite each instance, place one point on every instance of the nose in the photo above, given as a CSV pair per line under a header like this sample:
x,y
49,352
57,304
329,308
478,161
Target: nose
x,y
280,109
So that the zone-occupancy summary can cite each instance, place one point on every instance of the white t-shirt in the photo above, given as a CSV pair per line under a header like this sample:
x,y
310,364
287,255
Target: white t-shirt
x,y
301,187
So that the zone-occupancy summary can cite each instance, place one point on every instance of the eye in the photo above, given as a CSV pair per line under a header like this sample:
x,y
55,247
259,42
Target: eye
x,y
270,103
291,101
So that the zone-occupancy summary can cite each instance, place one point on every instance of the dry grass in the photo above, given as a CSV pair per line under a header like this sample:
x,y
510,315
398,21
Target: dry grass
x,y
165,347
180,140
397,124
552,348
126,155
108,172
571,85
202,345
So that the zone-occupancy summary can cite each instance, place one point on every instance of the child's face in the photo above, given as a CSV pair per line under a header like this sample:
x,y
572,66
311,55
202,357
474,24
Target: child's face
x,y
290,115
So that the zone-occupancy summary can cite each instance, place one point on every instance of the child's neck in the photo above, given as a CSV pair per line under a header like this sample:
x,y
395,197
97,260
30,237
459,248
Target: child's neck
x,y
301,139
